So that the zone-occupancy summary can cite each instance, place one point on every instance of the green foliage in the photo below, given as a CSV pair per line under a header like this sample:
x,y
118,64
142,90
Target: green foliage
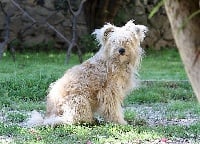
x,y
38,47
156,8
15,43
5,101
88,44
185,21
63,5
129,115
33,47
122,16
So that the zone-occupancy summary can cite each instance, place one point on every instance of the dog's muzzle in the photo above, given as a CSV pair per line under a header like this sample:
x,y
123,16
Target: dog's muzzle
x,y
121,51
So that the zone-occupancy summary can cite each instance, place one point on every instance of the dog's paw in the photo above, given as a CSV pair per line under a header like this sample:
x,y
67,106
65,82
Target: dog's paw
x,y
123,122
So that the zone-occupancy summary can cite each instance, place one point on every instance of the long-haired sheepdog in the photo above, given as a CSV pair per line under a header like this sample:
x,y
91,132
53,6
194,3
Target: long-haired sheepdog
x,y
100,84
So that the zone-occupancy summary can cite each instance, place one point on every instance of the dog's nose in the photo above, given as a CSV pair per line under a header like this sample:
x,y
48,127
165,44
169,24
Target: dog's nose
x,y
121,51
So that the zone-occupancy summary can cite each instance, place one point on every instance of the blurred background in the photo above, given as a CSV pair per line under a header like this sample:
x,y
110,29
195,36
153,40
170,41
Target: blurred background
x,y
34,25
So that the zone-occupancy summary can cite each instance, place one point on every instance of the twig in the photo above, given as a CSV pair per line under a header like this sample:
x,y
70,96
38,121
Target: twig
x,y
2,9
27,28
34,21
74,31
76,13
24,12
73,42
44,22
61,35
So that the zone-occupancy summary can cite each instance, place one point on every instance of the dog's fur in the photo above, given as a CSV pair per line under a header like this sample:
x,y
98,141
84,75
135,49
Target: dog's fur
x,y
100,84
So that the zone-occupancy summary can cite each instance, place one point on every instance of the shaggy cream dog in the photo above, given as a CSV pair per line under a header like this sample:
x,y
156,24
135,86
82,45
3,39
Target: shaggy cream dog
x,y
100,84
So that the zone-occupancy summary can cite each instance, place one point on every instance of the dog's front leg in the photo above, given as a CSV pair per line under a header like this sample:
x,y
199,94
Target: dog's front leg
x,y
116,114
110,107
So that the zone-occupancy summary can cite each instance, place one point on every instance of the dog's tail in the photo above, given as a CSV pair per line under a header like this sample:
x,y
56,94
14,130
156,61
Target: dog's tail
x,y
36,119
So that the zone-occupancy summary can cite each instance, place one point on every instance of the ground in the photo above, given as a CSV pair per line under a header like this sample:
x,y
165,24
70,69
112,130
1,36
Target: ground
x,y
163,110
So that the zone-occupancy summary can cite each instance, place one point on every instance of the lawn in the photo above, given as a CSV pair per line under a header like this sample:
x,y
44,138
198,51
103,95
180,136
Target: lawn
x,y
162,110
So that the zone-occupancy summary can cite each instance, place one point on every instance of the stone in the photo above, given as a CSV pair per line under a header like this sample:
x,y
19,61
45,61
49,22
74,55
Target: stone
x,y
59,17
152,38
16,24
158,20
139,8
30,40
142,19
161,44
159,34
49,4
167,32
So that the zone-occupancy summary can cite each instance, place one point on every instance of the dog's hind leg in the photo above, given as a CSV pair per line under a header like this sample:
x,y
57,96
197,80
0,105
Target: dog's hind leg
x,y
77,109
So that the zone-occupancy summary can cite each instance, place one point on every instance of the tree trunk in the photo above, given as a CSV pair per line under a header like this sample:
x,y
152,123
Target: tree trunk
x,y
185,26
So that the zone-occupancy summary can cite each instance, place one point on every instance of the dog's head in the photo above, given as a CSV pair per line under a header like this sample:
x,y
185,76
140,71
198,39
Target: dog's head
x,y
121,43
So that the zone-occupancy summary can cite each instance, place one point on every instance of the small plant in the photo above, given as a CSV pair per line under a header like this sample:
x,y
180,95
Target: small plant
x,y
88,44
129,115
5,101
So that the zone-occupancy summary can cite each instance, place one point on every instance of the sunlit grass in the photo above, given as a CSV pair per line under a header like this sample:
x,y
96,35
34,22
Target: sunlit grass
x,y
109,133
162,65
24,84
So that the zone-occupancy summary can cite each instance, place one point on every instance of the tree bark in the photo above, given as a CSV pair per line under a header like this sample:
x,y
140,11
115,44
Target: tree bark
x,y
186,31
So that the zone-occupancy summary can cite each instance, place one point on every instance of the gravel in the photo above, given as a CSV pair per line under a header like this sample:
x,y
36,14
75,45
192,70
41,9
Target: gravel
x,y
158,114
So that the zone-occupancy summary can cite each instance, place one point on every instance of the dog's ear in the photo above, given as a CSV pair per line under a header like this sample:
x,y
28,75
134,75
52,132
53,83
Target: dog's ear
x,y
107,33
103,34
138,30
141,31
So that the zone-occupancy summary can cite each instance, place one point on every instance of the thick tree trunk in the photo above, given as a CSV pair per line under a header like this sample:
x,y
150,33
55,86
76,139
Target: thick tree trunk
x,y
186,32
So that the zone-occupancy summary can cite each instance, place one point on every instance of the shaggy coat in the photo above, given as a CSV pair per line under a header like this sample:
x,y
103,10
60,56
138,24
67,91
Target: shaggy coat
x,y
100,84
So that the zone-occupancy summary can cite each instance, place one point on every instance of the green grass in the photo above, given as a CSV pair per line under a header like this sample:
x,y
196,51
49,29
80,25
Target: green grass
x,y
109,133
161,91
162,65
24,84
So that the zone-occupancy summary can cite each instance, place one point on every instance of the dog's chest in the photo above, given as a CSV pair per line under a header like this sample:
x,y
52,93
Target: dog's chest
x,y
93,76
